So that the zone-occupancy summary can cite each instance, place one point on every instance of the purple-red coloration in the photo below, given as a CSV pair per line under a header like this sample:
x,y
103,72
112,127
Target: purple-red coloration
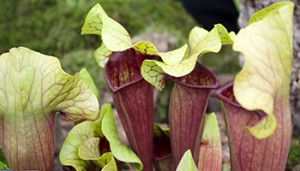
x,y
133,99
187,106
247,152
161,149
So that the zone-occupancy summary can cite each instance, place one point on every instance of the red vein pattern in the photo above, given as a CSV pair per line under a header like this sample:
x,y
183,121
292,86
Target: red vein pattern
x,y
33,87
210,156
133,99
187,106
247,152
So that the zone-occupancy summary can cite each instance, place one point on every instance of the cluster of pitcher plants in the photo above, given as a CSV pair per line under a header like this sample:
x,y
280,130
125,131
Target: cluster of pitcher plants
x,y
34,88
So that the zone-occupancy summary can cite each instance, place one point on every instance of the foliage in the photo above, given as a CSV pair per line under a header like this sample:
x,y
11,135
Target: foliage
x,y
74,61
211,146
273,52
3,162
229,64
86,146
255,105
52,26
200,42
187,162
181,66
258,101
33,88
294,155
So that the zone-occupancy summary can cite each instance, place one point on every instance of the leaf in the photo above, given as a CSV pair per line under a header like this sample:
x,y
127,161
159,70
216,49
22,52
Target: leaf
x,y
210,157
175,56
101,55
93,21
114,35
181,69
33,87
84,136
232,36
213,41
84,73
69,153
153,74
145,47
187,162
259,15
264,80
245,149
3,165
119,150
184,59
195,36
89,149
108,161
226,167
226,38
3,162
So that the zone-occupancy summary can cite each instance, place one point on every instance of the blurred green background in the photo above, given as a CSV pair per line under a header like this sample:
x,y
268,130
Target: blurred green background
x,y
53,27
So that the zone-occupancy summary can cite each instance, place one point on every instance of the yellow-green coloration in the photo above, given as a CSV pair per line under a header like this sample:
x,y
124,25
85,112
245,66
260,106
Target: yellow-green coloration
x,y
89,80
152,73
119,150
211,130
145,47
182,61
115,37
94,26
175,56
81,146
69,153
211,148
187,162
33,87
124,75
265,78
178,62
86,149
195,36
101,55
108,163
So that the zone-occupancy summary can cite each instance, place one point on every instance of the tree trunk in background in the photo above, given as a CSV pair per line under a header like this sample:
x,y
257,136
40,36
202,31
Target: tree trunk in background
x,y
248,7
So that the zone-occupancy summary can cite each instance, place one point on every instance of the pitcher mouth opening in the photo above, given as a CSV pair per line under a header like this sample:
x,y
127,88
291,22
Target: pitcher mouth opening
x,y
200,77
226,94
